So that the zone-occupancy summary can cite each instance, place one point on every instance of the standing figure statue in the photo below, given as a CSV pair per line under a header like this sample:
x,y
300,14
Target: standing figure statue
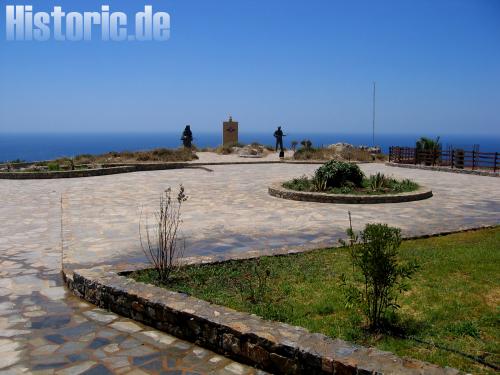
x,y
278,134
187,137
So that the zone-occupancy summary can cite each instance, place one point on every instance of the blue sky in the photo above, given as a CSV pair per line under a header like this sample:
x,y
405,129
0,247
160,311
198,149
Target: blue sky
x,y
307,65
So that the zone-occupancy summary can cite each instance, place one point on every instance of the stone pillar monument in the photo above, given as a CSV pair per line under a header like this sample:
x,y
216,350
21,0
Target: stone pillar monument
x,y
229,132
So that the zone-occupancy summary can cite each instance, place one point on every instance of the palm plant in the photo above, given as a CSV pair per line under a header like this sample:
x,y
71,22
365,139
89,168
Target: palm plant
x,y
428,150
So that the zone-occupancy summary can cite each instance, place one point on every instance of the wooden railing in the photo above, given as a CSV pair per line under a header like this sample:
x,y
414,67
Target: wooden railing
x,y
453,158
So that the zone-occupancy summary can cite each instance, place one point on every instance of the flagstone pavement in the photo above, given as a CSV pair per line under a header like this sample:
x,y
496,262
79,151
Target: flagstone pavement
x,y
45,330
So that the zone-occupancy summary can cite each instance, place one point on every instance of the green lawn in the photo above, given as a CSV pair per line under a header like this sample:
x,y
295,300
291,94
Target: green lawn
x,y
453,301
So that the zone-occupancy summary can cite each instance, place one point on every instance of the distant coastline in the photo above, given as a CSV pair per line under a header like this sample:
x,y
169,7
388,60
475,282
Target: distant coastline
x,y
31,147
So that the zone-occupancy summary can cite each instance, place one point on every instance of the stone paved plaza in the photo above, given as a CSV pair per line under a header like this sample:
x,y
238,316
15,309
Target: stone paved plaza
x,y
230,213
43,329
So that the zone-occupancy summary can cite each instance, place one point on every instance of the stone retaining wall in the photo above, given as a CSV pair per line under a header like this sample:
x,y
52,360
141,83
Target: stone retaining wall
x,y
271,346
106,170
444,169
277,190
117,168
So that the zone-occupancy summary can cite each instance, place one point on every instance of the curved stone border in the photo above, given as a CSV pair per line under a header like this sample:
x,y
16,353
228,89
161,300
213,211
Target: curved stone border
x,y
271,346
277,190
444,169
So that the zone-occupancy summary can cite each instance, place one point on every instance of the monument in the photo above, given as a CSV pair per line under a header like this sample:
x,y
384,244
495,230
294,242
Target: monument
x,y
229,132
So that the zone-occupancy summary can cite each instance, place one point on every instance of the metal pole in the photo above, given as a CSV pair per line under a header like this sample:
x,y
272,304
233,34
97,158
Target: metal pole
x,y
373,124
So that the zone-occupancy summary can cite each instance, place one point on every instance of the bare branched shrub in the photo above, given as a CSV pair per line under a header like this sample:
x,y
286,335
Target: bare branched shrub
x,y
160,243
254,285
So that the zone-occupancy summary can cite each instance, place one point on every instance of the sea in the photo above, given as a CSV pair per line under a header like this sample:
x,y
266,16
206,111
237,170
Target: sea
x,y
46,146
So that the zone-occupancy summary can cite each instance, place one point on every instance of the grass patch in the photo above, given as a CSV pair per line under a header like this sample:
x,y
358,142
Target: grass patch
x,y
369,186
453,301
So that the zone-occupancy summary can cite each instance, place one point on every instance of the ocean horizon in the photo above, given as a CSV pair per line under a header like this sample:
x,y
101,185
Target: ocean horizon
x,y
45,146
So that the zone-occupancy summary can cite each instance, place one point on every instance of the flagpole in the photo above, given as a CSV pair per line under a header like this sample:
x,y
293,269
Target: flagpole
x,y
373,123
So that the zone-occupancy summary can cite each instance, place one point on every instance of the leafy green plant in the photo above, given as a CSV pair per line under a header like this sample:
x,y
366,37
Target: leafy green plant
x,y
428,150
378,181
299,184
374,252
428,144
337,173
53,167
403,185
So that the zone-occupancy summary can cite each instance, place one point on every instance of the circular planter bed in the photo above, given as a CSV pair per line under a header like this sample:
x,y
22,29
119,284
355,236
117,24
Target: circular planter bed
x,y
277,190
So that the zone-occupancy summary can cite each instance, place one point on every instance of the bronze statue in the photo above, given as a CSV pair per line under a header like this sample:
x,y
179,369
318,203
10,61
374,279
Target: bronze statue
x,y
278,134
187,137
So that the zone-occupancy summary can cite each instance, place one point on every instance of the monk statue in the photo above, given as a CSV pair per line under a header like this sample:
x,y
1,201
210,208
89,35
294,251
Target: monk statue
x,y
187,137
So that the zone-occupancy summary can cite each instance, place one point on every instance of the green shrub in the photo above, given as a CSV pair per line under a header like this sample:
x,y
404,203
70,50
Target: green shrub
x,y
428,150
299,184
375,254
53,166
403,186
378,181
337,174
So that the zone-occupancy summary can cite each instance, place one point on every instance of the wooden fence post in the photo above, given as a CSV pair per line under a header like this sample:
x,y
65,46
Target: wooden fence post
x,y
495,162
473,158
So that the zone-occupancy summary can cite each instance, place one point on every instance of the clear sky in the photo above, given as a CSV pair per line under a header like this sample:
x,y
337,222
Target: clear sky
x,y
305,64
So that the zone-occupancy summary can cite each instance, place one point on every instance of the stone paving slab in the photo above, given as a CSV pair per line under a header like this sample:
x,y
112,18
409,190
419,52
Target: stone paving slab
x,y
44,329
230,213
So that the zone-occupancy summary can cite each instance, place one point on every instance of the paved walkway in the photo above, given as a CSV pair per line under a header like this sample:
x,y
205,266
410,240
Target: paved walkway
x,y
43,329
46,330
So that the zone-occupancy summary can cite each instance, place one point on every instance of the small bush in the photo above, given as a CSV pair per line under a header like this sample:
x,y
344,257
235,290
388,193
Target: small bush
x,y
53,167
404,185
334,174
375,254
254,286
378,181
299,184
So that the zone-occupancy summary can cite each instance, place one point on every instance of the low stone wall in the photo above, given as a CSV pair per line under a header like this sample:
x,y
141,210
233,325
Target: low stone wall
x,y
272,346
65,174
277,190
444,169
104,171
116,168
